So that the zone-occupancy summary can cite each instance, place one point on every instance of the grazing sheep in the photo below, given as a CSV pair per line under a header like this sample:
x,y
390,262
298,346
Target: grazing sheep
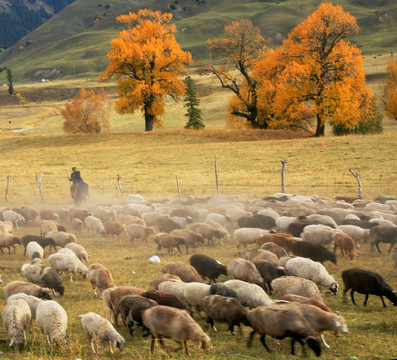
x,y
6,227
209,232
368,283
34,250
47,226
78,213
318,234
224,309
281,239
245,270
94,226
101,331
9,240
186,272
69,263
359,235
346,245
173,287
113,228
48,214
166,224
256,221
316,252
278,250
312,270
44,276
194,292
208,267
42,241
78,250
130,219
223,290
383,234
192,238
15,218
175,324
161,278
303,300
295,285
259,254
164,298
30,214
170,242
104,213
250,295
31,300
28,288
52,320
280,321
16,317
138,231
245,236
269,272
131,308
283,222
100,277
393,255
61,238
77,225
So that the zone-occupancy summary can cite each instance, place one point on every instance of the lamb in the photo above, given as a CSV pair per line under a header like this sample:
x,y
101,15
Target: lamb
x,y
69,263
312,270
77,225
52,320
6,227
114,228
175,324
16,317
154,285
94,226
163,298
101,331
137,231
61,238
245,236
346,245
47,226
316,252
223,290
278,250
295,285
245,270
28,288
131,308
34,250
250,295
44,276
368,283
192,238
280,321
208,267
100,277
269,272
31,300
384,234
186,272
9,240
14,217
42,241
78,250
194,292
168,241
173,287
224,309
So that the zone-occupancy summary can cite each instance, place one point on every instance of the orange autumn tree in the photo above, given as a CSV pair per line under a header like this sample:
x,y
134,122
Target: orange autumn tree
x,y
146,60
87,113
390,90
238,51
320,72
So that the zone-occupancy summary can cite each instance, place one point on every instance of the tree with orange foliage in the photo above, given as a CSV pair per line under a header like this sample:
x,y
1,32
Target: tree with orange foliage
x,y
239,51
146,60
318,71
390,90
87,113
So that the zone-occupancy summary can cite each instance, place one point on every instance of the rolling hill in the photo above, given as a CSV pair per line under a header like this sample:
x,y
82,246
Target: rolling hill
x,y
75,41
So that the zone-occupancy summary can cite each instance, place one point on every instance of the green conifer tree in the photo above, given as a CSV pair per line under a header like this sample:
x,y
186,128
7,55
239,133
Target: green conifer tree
x,y
9,82
192,103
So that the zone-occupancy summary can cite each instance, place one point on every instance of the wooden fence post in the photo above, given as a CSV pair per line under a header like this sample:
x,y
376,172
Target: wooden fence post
x,y
283,163
120,188
360,191
38,182
6,192
216,176
177,186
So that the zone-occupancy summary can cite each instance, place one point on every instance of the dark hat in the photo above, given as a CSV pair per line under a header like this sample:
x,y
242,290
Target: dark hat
x,y
74,167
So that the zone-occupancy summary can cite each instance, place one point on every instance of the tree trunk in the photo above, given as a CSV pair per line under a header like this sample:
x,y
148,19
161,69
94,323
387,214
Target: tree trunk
x,y
320,127
149,118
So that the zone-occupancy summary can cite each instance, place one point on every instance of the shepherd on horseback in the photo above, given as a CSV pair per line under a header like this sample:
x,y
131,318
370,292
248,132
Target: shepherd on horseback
x,y
79,188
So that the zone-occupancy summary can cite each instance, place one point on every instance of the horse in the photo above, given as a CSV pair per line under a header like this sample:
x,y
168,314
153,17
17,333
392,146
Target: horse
x,y
79,192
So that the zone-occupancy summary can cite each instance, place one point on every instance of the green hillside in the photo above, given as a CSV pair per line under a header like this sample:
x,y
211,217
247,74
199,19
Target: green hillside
x,y
75,41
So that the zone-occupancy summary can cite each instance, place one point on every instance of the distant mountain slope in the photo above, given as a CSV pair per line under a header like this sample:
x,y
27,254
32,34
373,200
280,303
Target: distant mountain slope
x,y
19,17
75,41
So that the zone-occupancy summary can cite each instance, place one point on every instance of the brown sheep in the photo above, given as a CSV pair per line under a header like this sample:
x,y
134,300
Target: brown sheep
x,y
208,232
8,240
48,214
245,270
278,250
47,226
304,300
192,238
100,277
259,254
170,242
186,272
282,239
345,243
77,225
28,288
114,228
130,219
137,231
154,285
78,213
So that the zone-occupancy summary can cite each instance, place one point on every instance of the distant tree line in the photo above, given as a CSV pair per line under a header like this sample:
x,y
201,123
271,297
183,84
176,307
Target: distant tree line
x,y
22,20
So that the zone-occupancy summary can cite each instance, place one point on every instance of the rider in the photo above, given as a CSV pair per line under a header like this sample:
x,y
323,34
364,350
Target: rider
x,y
76,178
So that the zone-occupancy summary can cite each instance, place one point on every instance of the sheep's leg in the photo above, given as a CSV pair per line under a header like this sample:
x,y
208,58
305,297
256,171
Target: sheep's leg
x,y
325,344
110,347
253,332
391,247
152,344
262,339
377,247
131,328
383,301
231,328
186,348
211,322
352,296
9,250
92,345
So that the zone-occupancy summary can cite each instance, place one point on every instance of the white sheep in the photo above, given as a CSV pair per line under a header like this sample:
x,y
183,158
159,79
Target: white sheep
x,y
250,295
194,292
69,263
94,226
6,227
173,287
14,217
283,222
52,320
34,250
31,300
61,238
358,234
79,251
16,317
101,331
318,234
246,236
269,212
312,270
47,226
295,285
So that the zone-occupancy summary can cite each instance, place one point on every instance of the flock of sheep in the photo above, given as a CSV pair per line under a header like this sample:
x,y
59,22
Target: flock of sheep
x,y
277,289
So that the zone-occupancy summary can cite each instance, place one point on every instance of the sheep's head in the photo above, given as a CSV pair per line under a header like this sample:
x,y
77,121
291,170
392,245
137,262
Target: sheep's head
x,y
119,344
340,326
334,288
61,289
204,341
45,294
222,269
315,344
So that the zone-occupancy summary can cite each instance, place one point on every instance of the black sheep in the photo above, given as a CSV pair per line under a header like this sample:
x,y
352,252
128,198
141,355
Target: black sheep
x,y
41,240
257,221
222,289
208,267
163,298
367,282
52,280
316,252
269,272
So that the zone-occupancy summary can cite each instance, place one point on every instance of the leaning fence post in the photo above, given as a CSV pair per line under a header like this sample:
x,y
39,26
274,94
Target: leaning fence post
x,y
6,193
38,182
120,188
177,186
216,176
283,163
117,191
360,191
